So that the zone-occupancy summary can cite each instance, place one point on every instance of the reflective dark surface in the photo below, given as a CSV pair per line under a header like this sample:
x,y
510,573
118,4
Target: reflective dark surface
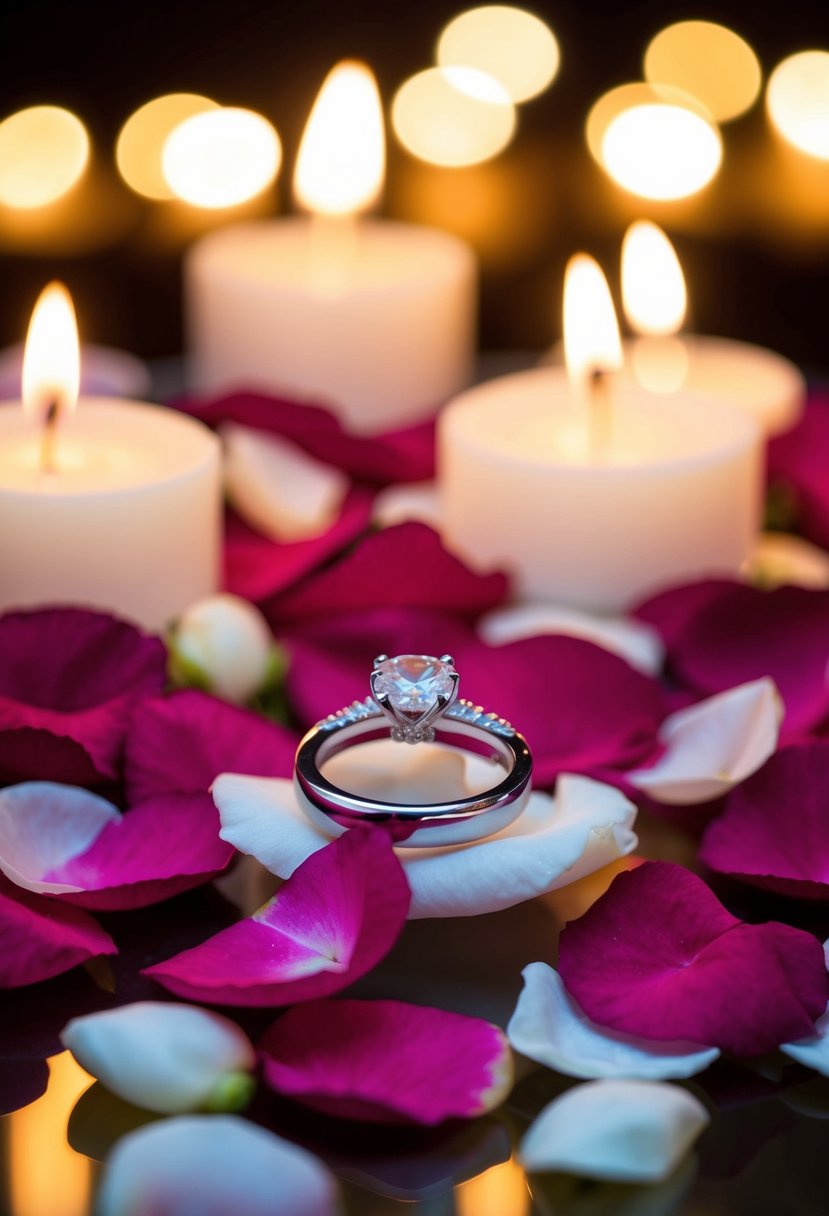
x,y
763,1154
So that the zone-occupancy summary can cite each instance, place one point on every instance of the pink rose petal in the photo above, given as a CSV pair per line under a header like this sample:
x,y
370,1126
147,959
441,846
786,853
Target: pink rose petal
x,y
797,461
68,681
42,938
774,832
257,567
340,912
742,633
64,841
403,566
660,957
401,455
182,742
387,1061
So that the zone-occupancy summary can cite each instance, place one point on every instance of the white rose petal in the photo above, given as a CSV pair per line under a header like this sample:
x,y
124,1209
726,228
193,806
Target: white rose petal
x,y
210,1165
277,487
782,560
227,641
162,1056
637,643
552,843
550,1028
714,745
814,1051
43,825
624,1131
400,504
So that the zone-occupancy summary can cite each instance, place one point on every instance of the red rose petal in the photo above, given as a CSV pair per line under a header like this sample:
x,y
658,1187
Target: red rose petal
x,y
387,1061
659,956
334,919
774,831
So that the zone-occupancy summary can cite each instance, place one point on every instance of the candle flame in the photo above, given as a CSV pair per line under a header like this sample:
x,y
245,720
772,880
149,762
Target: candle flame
x,y
653,285
591,331
52,358
342,157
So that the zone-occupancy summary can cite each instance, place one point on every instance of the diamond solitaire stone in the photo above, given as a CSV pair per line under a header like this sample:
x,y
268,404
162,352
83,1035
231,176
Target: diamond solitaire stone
x,y
413,682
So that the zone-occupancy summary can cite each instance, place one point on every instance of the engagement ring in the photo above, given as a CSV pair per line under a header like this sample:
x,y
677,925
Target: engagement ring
x,y
415,695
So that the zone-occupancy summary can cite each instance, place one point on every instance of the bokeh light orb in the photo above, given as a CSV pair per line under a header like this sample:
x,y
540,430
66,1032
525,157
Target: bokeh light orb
x,y
140,143
515,47
44,151
708,61
797,100
661,152
221,158
453,116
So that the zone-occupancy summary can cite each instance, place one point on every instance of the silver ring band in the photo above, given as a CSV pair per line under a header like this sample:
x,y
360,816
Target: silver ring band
x,y
457,821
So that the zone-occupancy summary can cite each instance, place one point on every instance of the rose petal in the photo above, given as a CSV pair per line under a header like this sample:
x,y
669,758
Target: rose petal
x,y
797,461
659,956
81,722
278,488
401,504
162,1057
43,825
42,938
548,1026
387,1061
222,643
256,567
400,455
670,612
814,1051
339,914
404,566
629,1131
714,745
182,742
551,844
780,560
213,1165
21,1082
638,644
774,831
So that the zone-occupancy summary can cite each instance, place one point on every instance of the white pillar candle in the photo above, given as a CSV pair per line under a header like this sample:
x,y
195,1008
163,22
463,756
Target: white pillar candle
x,y
764,384
373,318
124,514
676,495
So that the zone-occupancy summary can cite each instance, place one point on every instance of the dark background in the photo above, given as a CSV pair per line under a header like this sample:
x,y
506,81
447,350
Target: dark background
x,y
756,258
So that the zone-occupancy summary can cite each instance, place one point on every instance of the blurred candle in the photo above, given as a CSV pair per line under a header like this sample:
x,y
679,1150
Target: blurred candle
x,y
670,492
754,379
115,505
373,318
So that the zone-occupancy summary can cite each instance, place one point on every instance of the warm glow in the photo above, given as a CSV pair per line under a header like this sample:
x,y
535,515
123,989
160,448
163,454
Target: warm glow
x,y
141,141
591,330
797,99
511,45
43,152
500,1191
453,116
710,62
221,158
653,285
51,359
624,97
661,152
45,1174
342,157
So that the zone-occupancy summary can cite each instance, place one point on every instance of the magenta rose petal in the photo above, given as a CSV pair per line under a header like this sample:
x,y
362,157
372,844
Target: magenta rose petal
x,y
387,1061
658,956
402,566
68,681
182,742
340,912
66,842
42,938
406,454
774,831
257,567
798,460
670,612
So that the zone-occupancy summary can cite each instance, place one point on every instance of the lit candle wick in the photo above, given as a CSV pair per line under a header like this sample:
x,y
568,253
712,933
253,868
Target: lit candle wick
x,y
600,411
48,436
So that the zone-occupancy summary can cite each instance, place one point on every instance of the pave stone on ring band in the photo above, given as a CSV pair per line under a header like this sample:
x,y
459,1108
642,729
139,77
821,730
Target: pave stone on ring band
x,y
417,696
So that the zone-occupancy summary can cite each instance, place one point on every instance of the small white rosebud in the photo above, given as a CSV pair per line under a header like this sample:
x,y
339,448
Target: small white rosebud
x,y
222,643
165,1057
